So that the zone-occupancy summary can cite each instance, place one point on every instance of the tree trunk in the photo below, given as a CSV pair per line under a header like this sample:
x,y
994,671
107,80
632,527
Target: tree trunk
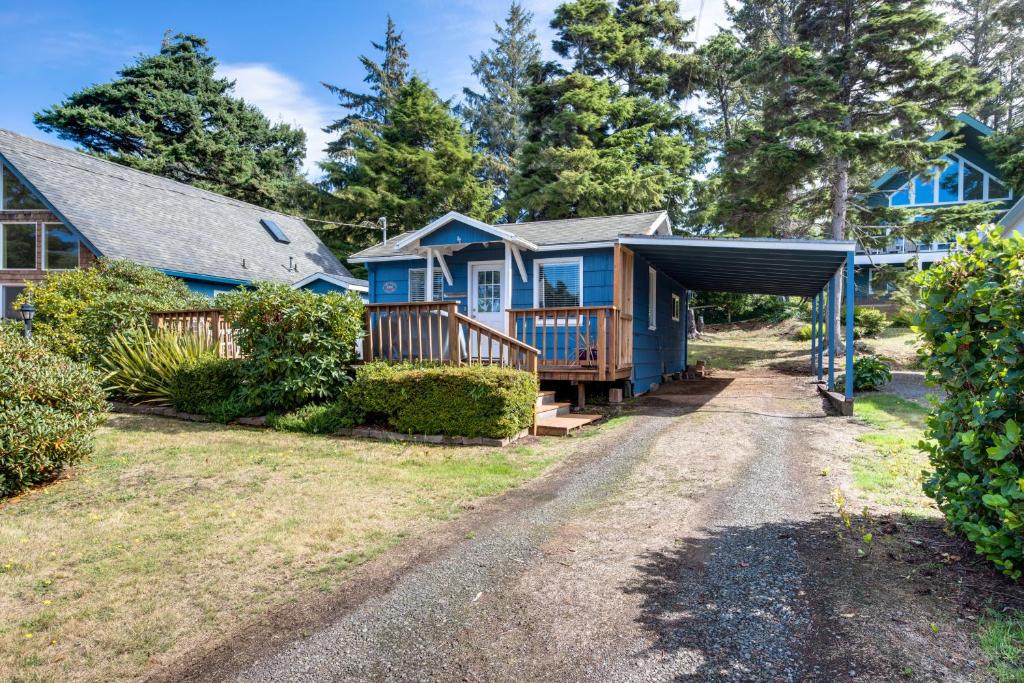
x,y
841,186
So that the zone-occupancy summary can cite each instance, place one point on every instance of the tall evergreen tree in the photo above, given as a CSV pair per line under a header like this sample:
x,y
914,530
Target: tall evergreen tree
x,y
170,115
495,115
415,167
989,37
608,136
372,108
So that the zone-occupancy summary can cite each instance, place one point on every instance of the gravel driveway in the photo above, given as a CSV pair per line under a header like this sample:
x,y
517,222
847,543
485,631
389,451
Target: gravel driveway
x,y
678,547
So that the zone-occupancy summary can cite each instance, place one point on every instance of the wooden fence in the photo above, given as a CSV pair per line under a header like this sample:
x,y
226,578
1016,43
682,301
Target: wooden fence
x,y
210,323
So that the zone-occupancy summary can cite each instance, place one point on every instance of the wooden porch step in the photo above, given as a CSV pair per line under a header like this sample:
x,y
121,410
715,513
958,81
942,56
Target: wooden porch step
x,y
545,398
544,411
564,424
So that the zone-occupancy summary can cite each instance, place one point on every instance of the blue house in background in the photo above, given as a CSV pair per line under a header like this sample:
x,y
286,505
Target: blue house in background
x,y
596,310
60,209
967,176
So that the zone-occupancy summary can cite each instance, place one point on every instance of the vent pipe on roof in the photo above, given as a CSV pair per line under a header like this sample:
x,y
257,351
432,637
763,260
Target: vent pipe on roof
x,y
383,223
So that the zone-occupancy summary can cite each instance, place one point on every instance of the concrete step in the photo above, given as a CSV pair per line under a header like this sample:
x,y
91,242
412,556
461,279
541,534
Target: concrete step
x,y
564,425
549,410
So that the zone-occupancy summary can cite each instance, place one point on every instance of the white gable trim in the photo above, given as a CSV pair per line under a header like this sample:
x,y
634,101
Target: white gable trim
x,y
661,225
333,279
451,216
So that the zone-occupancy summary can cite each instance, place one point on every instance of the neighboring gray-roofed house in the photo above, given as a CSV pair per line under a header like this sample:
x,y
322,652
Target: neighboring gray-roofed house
x,y
210,241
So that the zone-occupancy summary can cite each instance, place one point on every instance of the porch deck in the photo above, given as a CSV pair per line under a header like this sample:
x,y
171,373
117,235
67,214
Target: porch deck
x,y
585,344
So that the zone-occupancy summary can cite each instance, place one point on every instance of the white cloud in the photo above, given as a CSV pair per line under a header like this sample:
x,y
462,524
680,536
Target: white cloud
x,y
283,99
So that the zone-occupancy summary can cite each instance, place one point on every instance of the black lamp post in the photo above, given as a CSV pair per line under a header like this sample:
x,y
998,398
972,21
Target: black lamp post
x,y
28,311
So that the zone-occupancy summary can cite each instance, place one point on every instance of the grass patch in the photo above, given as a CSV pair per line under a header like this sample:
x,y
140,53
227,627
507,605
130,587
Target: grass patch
x,y
899,344
1001,637
744,348
174,533
893,473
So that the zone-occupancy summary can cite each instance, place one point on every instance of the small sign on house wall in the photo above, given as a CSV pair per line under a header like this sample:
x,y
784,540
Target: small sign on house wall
x,y
389,287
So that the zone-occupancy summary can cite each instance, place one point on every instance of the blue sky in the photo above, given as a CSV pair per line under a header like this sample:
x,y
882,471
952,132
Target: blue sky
x,y
277,52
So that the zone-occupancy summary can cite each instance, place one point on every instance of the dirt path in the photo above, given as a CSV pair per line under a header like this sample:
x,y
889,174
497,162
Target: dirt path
x,y
684,546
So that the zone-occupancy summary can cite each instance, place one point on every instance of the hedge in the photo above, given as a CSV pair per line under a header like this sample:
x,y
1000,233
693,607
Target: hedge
x,y
49,408
200,384
470,401
972,330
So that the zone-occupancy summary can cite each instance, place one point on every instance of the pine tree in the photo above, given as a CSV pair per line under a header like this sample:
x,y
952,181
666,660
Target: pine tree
x,y
989,37
170,115
495,115
385,79
609,136
415,167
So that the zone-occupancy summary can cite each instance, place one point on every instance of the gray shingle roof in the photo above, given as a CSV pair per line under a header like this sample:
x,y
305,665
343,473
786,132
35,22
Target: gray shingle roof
x,y
165,224
547,233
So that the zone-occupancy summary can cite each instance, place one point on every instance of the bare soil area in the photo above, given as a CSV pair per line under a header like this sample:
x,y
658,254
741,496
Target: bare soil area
x,y
711,536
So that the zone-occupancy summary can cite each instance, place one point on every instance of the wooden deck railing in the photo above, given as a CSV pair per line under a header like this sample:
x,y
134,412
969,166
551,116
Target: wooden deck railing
x,y
210,323
590,337
435,331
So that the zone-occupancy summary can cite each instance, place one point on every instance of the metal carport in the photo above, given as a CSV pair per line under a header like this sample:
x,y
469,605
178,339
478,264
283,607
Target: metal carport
x,y
806,268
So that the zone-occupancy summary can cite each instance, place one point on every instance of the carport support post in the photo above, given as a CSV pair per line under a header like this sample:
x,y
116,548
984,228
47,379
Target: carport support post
x,y
830,320
821,335
814,334
849,325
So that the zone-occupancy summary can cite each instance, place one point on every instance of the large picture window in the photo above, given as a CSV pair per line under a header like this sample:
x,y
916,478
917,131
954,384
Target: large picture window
x,y
62,247
558,283
18,245
958,181
15,196
417,280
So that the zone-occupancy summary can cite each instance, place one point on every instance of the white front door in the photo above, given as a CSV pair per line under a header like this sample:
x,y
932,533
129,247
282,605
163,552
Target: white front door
x,y
485,294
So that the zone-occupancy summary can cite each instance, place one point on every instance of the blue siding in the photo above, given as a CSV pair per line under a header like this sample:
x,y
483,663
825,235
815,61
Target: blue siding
x,y
205,287
659,351
457,232
654,351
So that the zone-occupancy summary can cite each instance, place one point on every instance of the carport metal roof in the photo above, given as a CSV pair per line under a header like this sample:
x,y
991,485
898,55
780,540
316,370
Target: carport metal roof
x,y
750,266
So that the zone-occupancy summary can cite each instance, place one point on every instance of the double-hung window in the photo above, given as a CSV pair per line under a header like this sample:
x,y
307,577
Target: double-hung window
x,y
558,283
652,299
677,308
417,284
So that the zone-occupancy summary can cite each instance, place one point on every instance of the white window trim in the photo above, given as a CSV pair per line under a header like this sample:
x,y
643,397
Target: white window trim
x,y
46,250
537,263
652,298
3,242
988,177
677,307
424,271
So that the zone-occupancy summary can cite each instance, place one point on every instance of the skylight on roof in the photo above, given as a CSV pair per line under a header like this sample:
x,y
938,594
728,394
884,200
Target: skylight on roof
x,y
275,230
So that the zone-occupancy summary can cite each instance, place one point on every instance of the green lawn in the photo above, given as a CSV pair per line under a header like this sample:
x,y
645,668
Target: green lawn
x,y
173,533
892,473
1001,637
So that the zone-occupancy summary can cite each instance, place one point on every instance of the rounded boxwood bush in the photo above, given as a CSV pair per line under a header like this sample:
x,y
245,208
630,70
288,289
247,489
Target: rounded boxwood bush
x,y
201,383
49,408
972,333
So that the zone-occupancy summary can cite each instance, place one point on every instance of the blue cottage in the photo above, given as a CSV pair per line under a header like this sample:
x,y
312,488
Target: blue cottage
x,y
595,310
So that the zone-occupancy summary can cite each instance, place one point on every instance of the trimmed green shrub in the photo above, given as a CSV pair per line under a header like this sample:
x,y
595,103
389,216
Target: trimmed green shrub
x,y
77,311
456,401
972,334
201,383
324,418
904,317
49,407
298,346
867,322
142,366
805,333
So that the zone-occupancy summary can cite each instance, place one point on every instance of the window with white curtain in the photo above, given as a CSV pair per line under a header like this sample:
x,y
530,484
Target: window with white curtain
x,y
558,283
417,279
652,299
